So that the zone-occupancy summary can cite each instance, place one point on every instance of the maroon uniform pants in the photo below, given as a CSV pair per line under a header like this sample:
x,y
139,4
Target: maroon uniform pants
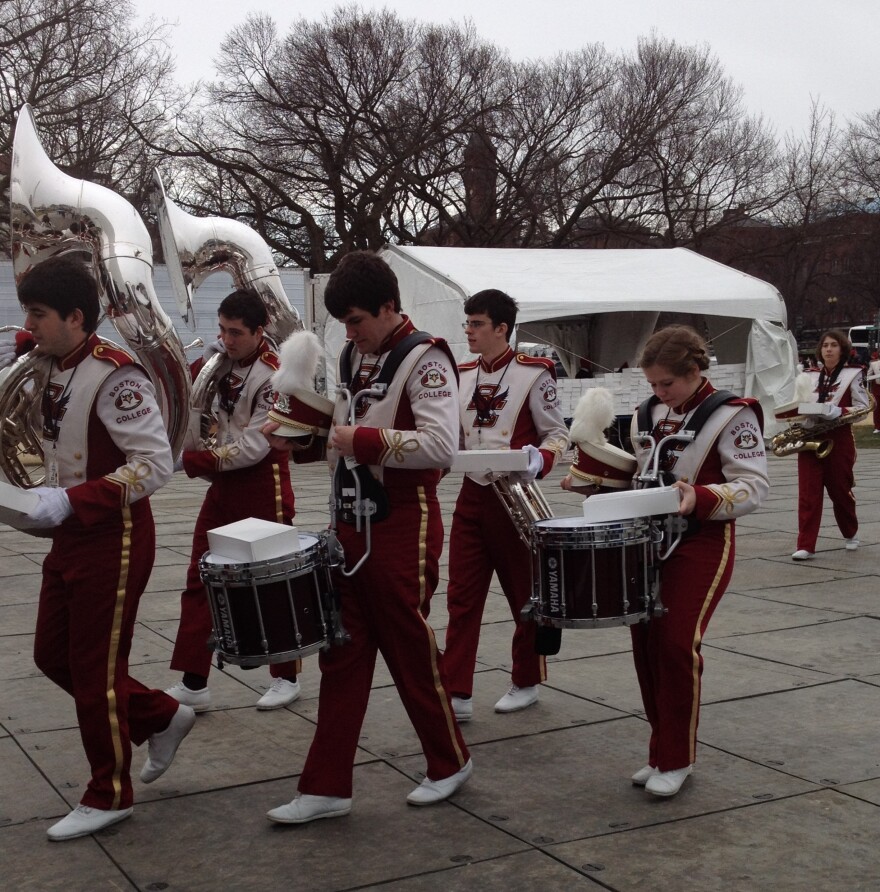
x,y
93,579
484,540
385,607
835,474
262,491
667,650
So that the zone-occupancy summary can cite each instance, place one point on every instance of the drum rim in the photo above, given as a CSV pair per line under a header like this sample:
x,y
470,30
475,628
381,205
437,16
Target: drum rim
x,y
302,560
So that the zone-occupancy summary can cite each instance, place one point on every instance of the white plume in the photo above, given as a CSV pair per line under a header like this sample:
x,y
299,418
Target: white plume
x,y
299,356
803,388
592,415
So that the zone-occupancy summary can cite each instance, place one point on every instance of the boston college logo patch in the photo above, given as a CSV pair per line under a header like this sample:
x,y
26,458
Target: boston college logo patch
x,y
433,378
746,440
128,399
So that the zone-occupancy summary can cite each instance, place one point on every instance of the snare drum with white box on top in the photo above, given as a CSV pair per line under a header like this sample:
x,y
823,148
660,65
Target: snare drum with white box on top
x,y
276,610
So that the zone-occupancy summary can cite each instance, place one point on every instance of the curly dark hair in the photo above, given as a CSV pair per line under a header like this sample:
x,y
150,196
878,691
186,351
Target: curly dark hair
x,y
363,280
497,305
65,284
247,305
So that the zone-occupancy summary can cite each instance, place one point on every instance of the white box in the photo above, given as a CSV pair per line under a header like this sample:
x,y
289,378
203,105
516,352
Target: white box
x,y
631,503
21,501
813,408
15,503
250,540
490,461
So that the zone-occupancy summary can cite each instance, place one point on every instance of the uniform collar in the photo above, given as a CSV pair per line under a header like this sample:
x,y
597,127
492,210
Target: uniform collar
x,y
77,355
405,328
249,360
696,398
499,362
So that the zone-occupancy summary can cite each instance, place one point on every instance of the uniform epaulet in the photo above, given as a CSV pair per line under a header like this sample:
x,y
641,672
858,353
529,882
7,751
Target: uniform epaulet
x,y
467,366
110,353
270,358
525,359
743,401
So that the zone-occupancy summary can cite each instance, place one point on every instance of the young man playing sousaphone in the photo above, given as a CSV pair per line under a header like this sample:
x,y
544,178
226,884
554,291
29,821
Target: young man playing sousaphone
x,y
508,400
399,443
248,479
105,452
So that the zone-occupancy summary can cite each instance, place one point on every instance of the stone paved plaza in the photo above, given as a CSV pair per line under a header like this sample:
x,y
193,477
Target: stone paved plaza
x,y
785,796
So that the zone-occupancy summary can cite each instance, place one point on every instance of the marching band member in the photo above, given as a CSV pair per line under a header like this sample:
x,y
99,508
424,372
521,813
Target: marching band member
x,y
105,451
720,476
873,380
838,390
507,400
402,440
248,479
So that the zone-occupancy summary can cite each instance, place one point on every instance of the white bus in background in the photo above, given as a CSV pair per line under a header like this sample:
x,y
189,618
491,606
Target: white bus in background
x,y
864,340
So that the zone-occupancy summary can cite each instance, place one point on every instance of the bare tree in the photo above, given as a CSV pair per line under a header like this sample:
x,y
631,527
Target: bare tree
x,y
861,162
95,81
316,134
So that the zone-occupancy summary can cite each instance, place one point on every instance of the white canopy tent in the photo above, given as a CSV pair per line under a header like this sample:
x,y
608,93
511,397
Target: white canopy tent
x,y
602,305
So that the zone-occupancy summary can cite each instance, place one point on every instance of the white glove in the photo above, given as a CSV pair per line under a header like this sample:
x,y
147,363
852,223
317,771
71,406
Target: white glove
x,y
214,347
54,507
536,465
833,411
7,352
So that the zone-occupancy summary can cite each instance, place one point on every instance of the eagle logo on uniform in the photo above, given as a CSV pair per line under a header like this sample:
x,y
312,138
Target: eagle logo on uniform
x,y
433,378
54,407
487,402
128,399
550,395
746,441
229,390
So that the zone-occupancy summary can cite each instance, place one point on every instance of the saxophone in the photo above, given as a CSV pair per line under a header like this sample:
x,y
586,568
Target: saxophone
x,y
54,214
798,438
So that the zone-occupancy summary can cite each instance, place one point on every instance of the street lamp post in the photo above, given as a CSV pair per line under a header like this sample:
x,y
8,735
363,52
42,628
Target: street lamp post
x,y
832,310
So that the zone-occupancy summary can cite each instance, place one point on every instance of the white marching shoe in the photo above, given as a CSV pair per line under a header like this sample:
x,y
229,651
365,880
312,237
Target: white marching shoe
x,y
463,707
309,808
802,555
281,693
851,544
162,746
198,701
643,775
84,820
668,783
428,791
517,698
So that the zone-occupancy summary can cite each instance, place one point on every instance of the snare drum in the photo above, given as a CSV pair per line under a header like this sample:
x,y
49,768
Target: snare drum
x,y
592,575
272,611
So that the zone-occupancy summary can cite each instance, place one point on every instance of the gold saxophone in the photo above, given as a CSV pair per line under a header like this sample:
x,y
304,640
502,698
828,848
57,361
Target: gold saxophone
x,y
798,438
55,214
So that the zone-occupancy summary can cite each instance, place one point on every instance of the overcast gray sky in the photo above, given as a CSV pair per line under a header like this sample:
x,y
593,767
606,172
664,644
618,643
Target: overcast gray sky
x,y
781,52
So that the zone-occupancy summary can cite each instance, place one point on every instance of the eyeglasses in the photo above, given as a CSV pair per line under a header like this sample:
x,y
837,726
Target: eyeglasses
x,y
473,323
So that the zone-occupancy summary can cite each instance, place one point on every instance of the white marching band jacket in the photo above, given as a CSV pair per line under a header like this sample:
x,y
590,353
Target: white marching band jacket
x,y
726,463
415,426
518,393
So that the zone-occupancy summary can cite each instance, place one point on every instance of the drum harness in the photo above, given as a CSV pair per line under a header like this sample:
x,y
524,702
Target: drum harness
x,y
675,526
357,495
